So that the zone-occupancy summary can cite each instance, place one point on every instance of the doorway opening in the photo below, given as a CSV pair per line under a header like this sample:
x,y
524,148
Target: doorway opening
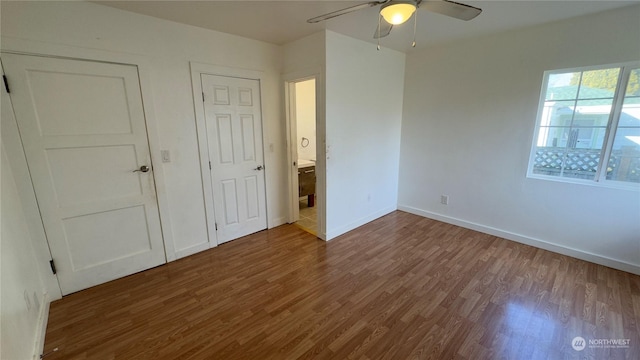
x,y
302,139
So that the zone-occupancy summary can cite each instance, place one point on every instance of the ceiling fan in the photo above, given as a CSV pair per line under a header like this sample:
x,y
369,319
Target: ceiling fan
x,y
396,12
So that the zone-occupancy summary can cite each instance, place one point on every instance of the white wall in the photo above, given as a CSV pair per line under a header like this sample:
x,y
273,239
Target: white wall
x,y
86,30
364,91
24,263
22,297
306,119
359,110
302,59
163,50
468,121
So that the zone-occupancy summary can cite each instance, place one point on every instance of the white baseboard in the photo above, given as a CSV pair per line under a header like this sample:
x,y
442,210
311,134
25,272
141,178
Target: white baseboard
x,y
41,330
357,223
277,222
542,244
179,254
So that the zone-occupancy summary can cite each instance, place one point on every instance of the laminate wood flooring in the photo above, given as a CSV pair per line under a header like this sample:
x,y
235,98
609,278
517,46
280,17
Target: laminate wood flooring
x,y
400,287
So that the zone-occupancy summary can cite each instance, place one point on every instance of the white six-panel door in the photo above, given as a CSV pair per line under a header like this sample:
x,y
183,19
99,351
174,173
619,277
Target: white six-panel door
x,y
234,138
83,129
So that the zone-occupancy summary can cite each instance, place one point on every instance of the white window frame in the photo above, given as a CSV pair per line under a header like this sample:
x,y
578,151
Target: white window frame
x,y
600,179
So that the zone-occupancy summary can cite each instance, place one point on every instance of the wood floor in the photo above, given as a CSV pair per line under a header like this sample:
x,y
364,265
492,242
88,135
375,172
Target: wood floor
x,y
401,287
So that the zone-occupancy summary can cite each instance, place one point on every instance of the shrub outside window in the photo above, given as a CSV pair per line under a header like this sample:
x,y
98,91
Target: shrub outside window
x,y
588,126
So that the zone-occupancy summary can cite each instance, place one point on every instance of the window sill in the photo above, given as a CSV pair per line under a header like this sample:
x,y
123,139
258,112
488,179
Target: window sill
x,y
607,184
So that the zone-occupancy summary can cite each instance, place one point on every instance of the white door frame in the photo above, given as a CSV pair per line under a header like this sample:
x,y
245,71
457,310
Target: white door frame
x,y
197,69
12,146
289,80
27,47
292,149
292,145
81,266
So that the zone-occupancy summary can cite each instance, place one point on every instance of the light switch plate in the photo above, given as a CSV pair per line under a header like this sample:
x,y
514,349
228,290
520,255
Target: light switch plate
x,y
166,157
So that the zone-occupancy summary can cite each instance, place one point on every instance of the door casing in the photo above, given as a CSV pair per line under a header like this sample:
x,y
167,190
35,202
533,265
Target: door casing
x,y
28,196
23,47
289,81
236,155
292,145
198,69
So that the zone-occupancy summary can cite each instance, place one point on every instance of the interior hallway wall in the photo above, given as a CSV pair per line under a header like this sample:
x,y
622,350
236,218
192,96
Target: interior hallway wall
x,y
364,95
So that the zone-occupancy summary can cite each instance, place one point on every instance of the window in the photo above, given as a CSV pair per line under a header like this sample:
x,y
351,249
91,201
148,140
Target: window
x,y
588,126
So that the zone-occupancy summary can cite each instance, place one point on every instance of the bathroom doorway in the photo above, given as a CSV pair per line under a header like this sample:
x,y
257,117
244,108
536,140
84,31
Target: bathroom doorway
x,y
302,135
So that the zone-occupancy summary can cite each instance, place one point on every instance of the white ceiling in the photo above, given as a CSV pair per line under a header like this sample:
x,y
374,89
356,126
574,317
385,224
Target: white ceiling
x,y
280,22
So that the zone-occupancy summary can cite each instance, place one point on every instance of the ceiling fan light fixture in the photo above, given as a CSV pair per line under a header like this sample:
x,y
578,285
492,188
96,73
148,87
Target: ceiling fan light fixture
x,y
397,12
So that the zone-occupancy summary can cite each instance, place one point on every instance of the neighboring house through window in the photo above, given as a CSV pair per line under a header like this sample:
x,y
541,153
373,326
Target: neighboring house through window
x,y
588,126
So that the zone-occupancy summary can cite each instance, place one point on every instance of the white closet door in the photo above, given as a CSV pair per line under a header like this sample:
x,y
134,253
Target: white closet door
x,y
83,129
234,132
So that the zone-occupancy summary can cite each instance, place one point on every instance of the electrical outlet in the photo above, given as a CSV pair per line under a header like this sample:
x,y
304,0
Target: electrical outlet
x,y
444,199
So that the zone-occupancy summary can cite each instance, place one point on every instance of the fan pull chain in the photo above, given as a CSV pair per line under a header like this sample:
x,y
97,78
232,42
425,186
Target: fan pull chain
x,y
415,26
379,20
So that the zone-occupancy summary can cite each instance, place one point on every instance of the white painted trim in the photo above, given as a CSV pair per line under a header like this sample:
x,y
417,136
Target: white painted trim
x,y
292,150
302,75
279,221
315,72
41,329
321,155
359,222
153,138
542,244
143,63
197,69
12,146
290,80
203,151
192,250
614,117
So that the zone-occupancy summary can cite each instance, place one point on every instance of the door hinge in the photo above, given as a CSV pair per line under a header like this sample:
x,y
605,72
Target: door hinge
x,y
209,165
53,267
216,226
6,84
203,97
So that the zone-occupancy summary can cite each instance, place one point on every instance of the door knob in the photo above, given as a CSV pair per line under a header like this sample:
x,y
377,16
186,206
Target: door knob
x,y
143,168
259,168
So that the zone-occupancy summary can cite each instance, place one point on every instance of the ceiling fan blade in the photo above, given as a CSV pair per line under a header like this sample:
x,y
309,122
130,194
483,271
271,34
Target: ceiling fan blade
x,y
385,29
452,9
345,11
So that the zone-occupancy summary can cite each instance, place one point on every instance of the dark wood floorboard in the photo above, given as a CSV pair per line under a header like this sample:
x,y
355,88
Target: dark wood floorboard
x,y
401,287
